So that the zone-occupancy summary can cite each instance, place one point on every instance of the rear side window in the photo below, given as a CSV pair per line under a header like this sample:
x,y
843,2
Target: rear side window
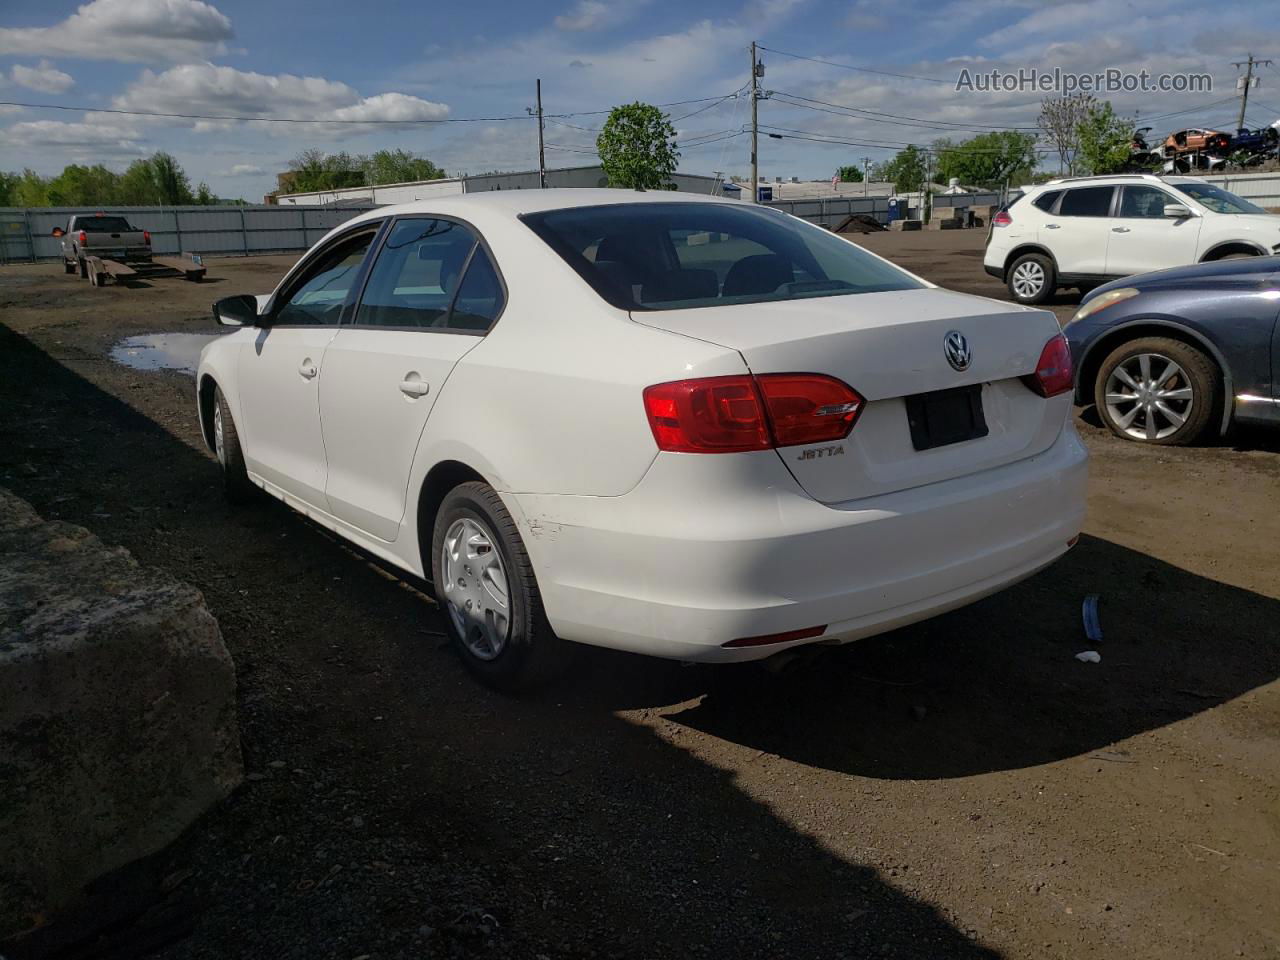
x,y
676,255
416,275
1086,202
1046,200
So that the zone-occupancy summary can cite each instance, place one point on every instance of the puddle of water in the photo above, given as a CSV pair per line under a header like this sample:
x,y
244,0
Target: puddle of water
x,y
162,351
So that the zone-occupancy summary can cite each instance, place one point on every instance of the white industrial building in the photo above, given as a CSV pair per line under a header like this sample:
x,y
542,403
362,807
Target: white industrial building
x,y
386,193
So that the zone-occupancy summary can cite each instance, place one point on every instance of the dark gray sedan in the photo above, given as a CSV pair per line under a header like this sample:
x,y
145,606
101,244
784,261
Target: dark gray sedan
x,y
1168,357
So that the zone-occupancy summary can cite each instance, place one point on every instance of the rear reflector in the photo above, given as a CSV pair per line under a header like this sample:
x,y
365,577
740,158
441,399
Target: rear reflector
x,y
739,413
805,634
146,237
1053,370
1002,219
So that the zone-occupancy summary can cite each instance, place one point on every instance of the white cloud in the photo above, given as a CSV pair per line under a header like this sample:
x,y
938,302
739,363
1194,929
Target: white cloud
x,y
585,15
45,78
203,88
244,170
127,30
79,139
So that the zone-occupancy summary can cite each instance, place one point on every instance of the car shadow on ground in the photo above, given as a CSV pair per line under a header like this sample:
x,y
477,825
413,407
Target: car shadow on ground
x,y
996,685
395,807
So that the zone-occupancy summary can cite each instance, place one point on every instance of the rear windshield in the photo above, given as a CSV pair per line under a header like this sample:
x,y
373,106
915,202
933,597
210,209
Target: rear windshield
x,y
103,224
674,256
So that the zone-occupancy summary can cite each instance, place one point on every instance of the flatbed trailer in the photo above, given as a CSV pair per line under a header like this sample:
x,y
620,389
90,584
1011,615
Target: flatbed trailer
x,y
190,267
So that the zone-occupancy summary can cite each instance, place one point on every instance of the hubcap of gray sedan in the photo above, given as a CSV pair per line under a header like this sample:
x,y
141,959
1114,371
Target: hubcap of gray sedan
x,y
1028,279
217,434
475,588
1149,396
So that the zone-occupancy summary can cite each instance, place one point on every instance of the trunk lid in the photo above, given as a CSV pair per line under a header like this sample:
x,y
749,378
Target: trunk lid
x,y
888,347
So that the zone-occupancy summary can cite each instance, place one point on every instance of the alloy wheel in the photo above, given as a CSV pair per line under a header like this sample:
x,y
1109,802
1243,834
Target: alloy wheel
x,y
475,588
1149,396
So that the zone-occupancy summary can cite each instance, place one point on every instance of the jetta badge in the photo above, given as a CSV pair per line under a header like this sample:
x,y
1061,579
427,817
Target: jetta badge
x,y
956,347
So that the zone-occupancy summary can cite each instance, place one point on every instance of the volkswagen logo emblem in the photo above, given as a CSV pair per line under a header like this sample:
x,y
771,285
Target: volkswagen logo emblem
x,y
956,348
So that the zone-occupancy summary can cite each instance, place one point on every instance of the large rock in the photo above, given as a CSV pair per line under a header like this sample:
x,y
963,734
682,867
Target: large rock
x,y
117,712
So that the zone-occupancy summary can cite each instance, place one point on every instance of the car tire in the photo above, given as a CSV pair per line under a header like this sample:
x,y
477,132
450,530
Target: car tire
x,y
1239,256
1169,405
487,591
1031,278
69,266
236,484
84,269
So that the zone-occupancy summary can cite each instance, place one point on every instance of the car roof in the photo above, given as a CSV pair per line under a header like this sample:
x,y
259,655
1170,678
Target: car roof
x,y
1108,180
515,202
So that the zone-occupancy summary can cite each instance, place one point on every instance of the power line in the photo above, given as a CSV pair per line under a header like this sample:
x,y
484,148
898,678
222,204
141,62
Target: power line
x,y
859,113
845,66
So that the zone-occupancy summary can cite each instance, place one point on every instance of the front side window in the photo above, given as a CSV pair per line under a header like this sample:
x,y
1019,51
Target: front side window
x,y
1217,199
417,274
676,255
1144,202
316,298
1086,202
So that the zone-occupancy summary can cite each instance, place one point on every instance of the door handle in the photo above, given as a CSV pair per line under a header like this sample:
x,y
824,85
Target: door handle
x,y
1119,229
307,369
1051,226
414,387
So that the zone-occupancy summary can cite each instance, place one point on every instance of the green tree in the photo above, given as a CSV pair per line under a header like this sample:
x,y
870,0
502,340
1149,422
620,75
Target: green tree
x,y
204,196
906,171
398,166
637,148
316,170
78,186
1103,141
173,188
989,159
32,190
9,183
849,174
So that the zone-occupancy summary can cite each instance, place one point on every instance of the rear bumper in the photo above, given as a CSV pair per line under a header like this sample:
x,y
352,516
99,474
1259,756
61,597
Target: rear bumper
x,y
997,272
671,571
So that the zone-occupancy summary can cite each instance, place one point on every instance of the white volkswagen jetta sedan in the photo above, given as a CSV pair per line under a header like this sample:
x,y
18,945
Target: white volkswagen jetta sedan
x,y
682,426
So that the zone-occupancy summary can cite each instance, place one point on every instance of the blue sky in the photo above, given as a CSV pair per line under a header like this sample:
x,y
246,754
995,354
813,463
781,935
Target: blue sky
x,y
390,60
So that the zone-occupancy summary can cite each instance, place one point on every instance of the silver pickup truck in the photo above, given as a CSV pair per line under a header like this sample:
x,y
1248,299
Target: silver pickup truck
x,y
103,236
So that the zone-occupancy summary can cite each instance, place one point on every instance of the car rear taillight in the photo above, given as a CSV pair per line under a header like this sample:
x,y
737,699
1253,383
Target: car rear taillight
x,y
1053,370
146,237
1002,219
84,241
808,407
710,415
740,413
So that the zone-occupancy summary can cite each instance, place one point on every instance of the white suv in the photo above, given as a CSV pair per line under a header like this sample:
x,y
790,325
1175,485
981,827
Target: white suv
x,y
1082,231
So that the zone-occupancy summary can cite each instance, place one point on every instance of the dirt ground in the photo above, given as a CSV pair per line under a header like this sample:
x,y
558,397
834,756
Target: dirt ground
x,y
960,788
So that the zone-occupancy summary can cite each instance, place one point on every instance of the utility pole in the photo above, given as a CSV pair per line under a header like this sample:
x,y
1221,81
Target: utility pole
x,y
1248,64
755,132
866,174
542,154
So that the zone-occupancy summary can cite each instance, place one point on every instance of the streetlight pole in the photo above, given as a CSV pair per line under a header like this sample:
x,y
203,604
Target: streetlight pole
x,y
755,132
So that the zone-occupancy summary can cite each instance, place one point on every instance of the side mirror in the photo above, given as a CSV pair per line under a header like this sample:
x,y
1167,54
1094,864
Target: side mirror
x,y
58,232
238,311
1177,211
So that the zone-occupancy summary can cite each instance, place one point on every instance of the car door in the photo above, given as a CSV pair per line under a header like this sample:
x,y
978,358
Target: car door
x,y
1076,232
1142,238
432,293
280,369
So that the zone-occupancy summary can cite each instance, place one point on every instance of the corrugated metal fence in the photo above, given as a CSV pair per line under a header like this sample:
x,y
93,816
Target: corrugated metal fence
x,y
231,230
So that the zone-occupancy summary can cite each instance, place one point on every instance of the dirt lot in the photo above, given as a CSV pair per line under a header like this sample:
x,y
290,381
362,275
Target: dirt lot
x,y
962,788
